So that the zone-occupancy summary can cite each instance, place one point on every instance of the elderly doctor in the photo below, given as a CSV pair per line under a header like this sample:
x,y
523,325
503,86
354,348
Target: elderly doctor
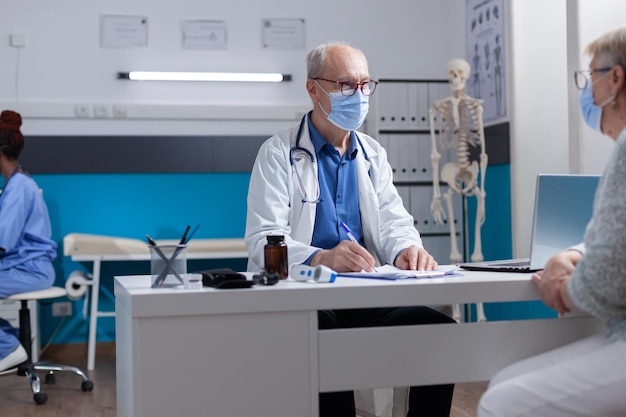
x,y
309,179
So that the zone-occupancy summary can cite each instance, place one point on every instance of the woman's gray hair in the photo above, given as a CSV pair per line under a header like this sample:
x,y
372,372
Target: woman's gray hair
x,y
609,49
316,58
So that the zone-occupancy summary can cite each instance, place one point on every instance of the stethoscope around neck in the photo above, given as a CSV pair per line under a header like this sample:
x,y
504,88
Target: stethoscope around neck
x,y
297,152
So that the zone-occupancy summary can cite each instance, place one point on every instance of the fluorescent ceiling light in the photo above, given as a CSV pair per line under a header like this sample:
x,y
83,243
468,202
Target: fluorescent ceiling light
x,y
203,76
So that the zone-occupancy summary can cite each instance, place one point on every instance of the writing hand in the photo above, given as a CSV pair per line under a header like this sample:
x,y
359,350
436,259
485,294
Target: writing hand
x,y
347,256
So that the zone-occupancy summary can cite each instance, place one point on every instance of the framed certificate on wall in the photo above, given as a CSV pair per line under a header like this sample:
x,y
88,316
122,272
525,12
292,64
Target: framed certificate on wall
x,y
123,31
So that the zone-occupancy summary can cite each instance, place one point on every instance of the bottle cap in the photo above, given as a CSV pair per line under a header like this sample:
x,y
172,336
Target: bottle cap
x,y
272,240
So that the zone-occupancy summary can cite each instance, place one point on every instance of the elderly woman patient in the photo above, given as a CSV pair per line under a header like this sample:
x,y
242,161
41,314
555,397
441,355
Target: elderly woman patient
x,y
588,377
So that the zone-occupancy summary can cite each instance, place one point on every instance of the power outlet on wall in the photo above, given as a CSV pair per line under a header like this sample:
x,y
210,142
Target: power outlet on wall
x,y
101,111
17,40
62,309
82,110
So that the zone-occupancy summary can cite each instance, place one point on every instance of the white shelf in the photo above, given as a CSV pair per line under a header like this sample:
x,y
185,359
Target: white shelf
x,y
401,125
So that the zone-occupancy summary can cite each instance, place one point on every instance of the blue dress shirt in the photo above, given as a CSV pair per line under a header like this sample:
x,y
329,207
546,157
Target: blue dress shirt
x,y
338,192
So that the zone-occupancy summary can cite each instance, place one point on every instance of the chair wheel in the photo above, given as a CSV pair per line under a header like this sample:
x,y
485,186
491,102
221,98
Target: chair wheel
x,y
51,378
40,398
87,386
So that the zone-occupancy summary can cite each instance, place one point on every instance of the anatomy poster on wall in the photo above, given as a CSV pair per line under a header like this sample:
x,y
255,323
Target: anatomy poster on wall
x,y
484,50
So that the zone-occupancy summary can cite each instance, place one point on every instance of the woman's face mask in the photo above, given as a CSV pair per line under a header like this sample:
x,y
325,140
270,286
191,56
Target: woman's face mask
x,y
347,112
592,113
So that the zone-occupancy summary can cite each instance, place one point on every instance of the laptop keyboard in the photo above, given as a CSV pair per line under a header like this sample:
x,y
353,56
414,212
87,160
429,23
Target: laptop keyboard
x,y
515,264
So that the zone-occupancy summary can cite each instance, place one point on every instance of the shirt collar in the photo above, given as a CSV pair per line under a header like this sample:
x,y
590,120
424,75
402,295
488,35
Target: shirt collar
x,y
319,142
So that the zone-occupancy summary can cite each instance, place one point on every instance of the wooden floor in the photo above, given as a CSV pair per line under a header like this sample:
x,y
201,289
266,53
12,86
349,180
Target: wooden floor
x,y
466,398
65,397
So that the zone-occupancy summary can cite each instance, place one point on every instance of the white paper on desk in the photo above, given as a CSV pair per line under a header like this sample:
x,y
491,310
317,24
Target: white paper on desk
x,y
391,272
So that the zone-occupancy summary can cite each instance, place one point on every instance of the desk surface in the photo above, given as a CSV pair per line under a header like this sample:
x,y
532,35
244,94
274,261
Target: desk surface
x,y
290,295
264,342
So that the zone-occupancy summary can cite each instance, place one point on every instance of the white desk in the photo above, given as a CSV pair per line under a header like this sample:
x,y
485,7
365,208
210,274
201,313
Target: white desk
x,y
258,351
97,249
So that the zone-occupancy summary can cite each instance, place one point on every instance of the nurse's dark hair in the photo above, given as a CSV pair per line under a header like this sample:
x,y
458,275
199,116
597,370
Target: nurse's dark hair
x,y
609,49
11,138
316,58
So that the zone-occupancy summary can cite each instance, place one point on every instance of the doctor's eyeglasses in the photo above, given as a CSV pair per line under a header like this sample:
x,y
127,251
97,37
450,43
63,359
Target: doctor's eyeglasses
x,y
348,88
582,77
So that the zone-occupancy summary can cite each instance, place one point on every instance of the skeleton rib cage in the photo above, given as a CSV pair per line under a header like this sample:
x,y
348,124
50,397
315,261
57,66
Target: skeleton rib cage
x,y
458,133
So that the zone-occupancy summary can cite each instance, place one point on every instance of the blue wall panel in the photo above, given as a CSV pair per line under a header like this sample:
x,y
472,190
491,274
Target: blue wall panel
x,y
131,205
497,242
496,234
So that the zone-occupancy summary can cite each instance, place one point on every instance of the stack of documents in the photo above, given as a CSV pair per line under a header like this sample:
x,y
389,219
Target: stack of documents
x,y
393,273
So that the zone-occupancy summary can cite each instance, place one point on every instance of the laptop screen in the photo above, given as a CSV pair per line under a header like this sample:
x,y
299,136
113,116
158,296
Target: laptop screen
x,y
563,207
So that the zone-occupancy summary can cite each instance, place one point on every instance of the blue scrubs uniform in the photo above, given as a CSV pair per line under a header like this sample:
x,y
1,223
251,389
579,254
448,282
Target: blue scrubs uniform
x,y
25,232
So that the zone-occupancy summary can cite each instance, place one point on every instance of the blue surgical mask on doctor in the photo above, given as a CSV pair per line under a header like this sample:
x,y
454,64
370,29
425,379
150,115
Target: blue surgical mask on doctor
x,y
347,112
592,113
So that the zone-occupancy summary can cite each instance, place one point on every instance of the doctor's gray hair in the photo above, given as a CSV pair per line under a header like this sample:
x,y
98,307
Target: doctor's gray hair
x,y
609,49
316,58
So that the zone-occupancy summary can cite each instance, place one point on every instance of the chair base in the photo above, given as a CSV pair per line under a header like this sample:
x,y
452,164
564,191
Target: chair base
x,y
29,370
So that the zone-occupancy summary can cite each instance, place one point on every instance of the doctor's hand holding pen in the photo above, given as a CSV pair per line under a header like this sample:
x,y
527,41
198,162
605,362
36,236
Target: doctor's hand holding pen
x,y
347,256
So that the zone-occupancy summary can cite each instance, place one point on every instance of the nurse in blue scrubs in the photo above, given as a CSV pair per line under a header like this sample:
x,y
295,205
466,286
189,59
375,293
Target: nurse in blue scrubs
x,y
26,248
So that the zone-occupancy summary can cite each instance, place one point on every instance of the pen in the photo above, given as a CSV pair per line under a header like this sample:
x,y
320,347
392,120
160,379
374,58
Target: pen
x,y
349,232
184,238
193,232
351,236
150,241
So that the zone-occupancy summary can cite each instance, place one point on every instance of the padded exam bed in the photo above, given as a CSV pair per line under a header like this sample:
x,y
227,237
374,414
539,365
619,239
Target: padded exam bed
x,y
82,247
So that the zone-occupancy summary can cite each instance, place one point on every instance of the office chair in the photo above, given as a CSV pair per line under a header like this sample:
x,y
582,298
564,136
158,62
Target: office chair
x,y
28,368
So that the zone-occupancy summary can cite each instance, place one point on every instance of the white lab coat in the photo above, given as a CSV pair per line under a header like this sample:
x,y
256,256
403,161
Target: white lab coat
x,y
275,204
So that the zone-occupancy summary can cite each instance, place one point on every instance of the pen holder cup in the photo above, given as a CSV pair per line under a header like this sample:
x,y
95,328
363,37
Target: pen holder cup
x,y
168,264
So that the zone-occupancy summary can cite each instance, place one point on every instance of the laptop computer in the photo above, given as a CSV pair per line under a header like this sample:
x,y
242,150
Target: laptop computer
x,y
563,207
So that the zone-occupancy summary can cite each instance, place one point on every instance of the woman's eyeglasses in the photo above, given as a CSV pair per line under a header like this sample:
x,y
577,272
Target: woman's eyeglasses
x,y
582,77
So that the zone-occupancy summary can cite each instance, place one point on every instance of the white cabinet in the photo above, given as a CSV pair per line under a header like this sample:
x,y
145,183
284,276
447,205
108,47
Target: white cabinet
x,y
400,122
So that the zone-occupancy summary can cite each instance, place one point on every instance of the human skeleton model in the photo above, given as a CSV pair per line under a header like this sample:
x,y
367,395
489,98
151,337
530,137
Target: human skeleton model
x,y
460,126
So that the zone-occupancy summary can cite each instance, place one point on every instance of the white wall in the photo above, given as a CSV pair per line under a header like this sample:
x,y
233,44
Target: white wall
x,y
62,63
547,131
596,18
539,105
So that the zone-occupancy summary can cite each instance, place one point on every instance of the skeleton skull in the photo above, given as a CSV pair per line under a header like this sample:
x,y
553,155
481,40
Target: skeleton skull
x,y
458,73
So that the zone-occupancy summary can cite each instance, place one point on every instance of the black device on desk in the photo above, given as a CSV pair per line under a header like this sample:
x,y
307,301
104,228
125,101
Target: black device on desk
x,y
266,278
224,278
